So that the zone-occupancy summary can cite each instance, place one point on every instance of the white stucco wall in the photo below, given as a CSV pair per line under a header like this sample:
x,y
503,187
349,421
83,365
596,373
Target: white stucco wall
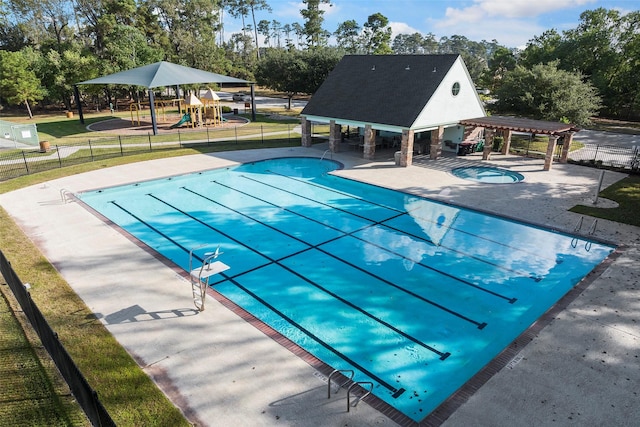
x,y
443,108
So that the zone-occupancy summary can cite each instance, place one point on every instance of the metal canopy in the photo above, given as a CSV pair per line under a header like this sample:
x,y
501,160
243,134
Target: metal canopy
x,y
159,74
162,74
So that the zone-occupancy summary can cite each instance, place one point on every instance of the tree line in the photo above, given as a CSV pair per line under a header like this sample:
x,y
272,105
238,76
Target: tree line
x,y
48,45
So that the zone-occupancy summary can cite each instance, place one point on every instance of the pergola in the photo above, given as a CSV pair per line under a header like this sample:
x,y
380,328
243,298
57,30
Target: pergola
x,y
160,74
508,125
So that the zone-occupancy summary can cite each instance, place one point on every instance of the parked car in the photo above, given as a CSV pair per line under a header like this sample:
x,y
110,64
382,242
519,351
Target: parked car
x,y
241,96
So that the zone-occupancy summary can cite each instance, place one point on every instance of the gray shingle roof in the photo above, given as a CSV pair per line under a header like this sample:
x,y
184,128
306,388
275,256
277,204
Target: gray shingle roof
x,y
386,89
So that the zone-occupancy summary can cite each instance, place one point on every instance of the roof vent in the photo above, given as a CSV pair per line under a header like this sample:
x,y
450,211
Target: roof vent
x,y
434,69
373,68
408,68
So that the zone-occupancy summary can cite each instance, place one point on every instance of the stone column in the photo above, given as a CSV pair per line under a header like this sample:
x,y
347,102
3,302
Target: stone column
x,y
566,145
488,144
406,148
435,149
551,148
369,150
507,141
335,136
305,125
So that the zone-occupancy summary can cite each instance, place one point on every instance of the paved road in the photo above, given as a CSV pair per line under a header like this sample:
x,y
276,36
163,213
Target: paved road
x,y
607,138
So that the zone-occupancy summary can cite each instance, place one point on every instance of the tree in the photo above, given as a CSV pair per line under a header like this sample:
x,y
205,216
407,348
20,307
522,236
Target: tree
x,y
264,28
295,72
502,61
547,93
541,49
376,35
313,19
347,35
408,44
18,84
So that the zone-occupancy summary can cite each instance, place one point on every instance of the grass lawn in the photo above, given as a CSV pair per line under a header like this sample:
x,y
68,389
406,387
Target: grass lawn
x,y
627,193
127,392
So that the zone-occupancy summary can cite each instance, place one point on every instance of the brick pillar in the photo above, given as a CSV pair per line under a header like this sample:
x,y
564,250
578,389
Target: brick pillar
x,y
369,150
488,144
335,136
507,141
435,149
551,148
566,145
406,148
305,126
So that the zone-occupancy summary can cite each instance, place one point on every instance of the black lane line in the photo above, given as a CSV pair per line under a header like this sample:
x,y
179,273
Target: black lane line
x,y
480,325
277,262
329,189
151,227
443,355
267,202
482,260
396,392
511,300
399,210
480,237
308,198
468,255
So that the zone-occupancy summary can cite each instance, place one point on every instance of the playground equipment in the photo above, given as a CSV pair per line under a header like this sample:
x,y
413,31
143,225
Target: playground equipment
x,y
160,106
191,112
185,118
212,108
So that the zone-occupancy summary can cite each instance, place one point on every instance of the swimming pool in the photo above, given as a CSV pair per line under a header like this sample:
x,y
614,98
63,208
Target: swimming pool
x,y
488,174
414,295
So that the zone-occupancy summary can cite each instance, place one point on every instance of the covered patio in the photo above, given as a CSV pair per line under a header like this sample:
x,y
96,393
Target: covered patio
x,y
507,125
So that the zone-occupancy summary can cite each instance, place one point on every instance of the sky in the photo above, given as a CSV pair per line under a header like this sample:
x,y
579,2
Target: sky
x,y
511,22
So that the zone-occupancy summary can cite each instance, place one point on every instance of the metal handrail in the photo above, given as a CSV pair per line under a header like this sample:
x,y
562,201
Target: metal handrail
x,y
335,371
360,383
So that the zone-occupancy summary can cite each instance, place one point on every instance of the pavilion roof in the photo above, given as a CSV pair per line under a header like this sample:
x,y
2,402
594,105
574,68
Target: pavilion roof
x,y
519,124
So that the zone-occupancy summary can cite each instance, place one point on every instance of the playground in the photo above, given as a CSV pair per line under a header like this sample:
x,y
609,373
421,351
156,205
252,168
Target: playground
x,y
192,113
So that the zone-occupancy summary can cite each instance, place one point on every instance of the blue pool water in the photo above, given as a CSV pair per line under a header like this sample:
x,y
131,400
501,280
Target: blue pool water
x,y
414,295
488,174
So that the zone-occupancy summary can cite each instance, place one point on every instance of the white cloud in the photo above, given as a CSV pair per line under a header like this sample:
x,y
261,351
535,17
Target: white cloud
x,y
401,28
481,10
512,33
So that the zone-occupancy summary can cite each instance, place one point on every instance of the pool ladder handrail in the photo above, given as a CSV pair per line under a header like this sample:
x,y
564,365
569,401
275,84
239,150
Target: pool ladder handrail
x,y
325,153
592,230
339,371
359,398
199,286
64,193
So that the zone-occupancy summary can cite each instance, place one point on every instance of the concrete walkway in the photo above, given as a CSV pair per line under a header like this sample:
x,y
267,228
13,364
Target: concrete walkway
x,y
582,369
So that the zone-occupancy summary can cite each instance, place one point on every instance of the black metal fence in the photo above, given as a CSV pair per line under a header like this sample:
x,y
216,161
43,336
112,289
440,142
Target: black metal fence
x,y
84,394
25,162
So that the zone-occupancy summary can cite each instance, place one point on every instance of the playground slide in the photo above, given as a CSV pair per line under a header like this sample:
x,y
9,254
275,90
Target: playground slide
x,y
183,120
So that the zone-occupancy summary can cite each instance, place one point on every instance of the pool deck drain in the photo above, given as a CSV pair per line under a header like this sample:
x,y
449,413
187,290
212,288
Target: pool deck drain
x,y
580,369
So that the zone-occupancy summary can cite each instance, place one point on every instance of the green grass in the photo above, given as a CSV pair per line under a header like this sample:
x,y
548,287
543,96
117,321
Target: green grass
x,y
627,193
128,394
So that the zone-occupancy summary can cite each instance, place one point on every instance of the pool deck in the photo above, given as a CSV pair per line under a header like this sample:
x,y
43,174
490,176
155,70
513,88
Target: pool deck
x,y
581,369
